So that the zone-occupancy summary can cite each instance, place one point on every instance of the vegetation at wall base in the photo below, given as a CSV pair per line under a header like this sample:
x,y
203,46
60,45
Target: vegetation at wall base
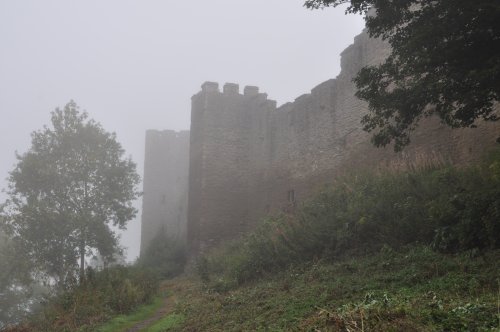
x,y
448,209
165,255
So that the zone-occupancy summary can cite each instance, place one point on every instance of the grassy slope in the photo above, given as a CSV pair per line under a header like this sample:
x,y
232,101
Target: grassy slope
x,y
411,290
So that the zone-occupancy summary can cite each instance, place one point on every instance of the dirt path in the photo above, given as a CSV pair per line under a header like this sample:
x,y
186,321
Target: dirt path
x,y
162,312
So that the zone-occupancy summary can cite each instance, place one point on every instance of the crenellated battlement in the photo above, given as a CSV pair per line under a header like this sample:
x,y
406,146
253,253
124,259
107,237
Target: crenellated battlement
x,y
209,87
232,90
153,134
251,91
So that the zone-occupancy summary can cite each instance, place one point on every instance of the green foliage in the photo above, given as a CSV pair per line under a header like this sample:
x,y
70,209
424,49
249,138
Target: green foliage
x,y
445,60
468,213
167,256
449,209
104,294
66,191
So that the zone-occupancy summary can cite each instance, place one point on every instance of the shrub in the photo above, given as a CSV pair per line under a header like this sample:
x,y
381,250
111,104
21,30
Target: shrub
x,y
166,256
112,291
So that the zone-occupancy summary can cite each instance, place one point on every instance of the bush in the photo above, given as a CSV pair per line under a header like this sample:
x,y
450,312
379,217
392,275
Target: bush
x,y
467,215
112,291
165,255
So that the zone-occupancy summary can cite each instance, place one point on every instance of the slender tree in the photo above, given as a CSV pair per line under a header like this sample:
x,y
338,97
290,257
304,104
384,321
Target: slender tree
x,y
66,191
445,61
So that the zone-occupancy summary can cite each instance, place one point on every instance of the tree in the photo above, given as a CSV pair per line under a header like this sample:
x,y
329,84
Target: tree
x,y
445,60
66,191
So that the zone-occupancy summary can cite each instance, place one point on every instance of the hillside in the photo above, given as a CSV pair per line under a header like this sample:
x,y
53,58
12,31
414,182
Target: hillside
x,y
413,289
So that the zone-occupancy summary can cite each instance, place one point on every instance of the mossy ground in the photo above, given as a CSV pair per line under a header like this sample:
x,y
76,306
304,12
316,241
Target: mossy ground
x,y
414,289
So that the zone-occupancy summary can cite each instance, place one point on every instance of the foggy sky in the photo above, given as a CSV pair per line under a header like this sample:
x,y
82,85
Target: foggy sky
x,y
134,65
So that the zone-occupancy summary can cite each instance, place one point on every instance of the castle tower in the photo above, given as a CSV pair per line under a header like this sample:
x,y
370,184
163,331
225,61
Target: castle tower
x,y
221,162
164,201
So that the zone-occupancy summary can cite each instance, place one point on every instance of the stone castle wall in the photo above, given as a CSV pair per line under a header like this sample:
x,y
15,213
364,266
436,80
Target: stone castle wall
x,y
249,158
164,202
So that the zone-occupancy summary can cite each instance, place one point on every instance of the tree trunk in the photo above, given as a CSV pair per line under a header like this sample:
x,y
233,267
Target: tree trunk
x,y
82,261
83,234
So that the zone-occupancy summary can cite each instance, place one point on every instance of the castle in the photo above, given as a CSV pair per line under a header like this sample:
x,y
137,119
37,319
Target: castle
x,y
248,158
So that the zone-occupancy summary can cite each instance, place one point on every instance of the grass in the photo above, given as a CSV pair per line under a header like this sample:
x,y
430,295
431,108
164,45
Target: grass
x,y
123,322
166,323
412,289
